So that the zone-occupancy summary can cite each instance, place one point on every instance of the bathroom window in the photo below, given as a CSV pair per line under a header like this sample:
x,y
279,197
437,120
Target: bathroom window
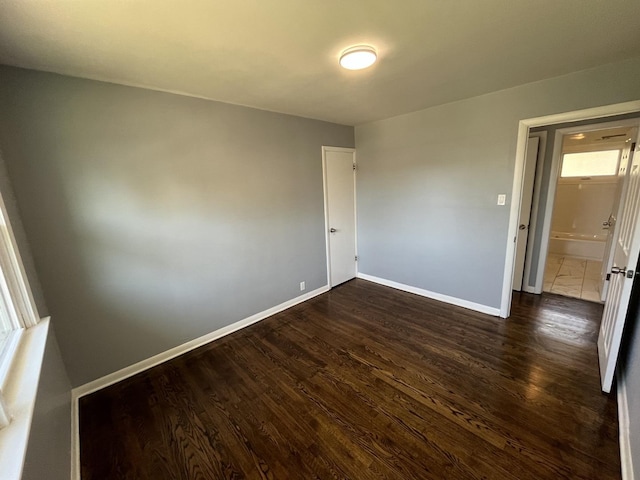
x,y
5,328
590,164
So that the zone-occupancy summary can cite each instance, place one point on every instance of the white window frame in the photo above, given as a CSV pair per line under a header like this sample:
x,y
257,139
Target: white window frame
x,y
17,305
592,178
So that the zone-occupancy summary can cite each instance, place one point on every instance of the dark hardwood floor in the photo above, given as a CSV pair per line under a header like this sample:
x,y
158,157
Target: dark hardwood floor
x,y
367,382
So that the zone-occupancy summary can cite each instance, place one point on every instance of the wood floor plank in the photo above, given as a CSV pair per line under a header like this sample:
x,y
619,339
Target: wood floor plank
x,y
368,382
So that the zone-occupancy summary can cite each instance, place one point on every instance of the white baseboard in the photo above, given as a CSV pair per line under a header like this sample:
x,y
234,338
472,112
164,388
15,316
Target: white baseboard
x,y
435,296
626,460
148,363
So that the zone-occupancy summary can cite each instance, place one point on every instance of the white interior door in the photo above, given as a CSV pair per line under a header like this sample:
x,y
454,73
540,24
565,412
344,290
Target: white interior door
x,y
625,259
340,198
612,222
526,197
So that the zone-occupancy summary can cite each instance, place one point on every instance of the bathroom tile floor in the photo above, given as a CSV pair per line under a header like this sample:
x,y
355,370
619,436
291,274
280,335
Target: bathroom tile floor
x,y
573,277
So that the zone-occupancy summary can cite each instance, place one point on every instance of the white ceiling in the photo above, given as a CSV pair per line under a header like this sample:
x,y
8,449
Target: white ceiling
x,y
610,138
282,55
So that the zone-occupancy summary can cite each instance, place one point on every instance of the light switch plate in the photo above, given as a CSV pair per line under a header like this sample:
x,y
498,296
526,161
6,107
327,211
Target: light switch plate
x,y
502,199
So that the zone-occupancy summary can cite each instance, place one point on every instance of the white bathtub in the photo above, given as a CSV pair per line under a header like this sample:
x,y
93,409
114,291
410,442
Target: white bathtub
x,y
578,245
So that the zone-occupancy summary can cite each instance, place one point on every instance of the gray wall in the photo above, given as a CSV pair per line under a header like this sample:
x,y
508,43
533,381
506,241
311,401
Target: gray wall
x,y
155,218
24,249
49,448
631,372
428,181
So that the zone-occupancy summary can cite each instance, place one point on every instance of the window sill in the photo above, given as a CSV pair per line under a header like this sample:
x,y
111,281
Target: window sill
x,y
20,397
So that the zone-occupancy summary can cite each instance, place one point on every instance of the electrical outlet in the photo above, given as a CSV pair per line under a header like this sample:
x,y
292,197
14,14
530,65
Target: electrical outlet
x,y
502,199
302,286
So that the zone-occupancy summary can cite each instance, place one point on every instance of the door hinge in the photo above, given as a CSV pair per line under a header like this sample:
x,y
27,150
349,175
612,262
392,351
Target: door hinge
x,y
356,258
354,166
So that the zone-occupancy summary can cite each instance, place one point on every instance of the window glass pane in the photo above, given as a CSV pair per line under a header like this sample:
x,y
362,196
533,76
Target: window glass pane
x,y
590,164
5,328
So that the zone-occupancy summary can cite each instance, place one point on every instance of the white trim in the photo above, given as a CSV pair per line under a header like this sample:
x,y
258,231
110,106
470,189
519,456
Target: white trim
x,y
325,199
601,179
355,206
20,396
75,437
585,114
433,295
21,300
626,459
594,147
150,362
523,135
8,351
514,214
326,149
556,165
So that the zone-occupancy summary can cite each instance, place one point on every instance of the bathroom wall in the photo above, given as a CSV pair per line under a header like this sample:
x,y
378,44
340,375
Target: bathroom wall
x,y
582,205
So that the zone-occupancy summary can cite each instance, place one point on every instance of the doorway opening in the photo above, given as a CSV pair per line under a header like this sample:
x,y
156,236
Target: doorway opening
x,y
550,131
622,247
592,169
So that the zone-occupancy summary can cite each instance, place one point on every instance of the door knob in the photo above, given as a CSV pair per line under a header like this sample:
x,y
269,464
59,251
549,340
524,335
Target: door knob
x,y
623,271
333,230
616,270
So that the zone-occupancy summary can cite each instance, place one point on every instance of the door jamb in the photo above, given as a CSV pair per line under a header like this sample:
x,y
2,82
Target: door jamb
x,y
523,134
326,149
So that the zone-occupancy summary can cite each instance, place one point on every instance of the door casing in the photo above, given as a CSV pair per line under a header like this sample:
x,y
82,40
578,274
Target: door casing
x,y
556,164
516,191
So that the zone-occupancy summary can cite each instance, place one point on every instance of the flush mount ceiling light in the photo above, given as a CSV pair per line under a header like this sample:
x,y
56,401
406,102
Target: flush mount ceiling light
x,y
358,57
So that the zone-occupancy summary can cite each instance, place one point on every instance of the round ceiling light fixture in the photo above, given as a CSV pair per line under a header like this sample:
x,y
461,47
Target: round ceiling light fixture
x,y
358,57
